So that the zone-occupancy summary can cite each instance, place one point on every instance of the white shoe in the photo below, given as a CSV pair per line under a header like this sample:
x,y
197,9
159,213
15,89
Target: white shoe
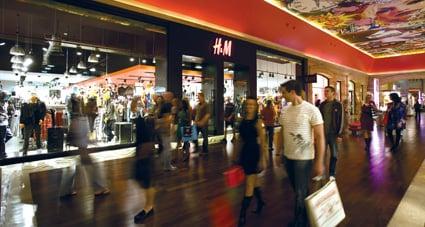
x,y
332,178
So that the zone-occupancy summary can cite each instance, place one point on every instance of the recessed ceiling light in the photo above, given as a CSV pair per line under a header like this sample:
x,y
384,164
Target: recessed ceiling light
x,y
2,43
93,69
144,61
44,49
198,67
131,59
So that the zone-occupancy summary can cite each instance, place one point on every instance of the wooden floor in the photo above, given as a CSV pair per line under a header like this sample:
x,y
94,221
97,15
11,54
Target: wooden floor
x,y
371,186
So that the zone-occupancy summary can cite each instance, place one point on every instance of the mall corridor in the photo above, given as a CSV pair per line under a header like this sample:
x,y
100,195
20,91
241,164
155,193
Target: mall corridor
x,y
371,186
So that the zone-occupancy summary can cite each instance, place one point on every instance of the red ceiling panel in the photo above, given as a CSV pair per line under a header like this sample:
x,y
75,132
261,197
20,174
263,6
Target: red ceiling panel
x,y
260,19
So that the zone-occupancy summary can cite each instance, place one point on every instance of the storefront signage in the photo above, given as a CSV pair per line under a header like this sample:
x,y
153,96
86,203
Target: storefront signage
x,y
310,79
222,47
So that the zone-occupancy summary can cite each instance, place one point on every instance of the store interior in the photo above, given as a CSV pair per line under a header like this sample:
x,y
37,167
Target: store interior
x,y
54,52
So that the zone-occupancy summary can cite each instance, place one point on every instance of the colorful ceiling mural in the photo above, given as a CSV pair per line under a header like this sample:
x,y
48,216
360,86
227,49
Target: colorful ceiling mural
x,y
381,28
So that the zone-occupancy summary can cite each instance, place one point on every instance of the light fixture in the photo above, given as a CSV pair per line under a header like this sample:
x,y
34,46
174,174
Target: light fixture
x,y
44,49
17,59
154,60
131,59
198,67
17,50
98,55
81,65
144,61
2,43
47,68
51,66
78,52
92,58
93,69
73,70
28,60
16,66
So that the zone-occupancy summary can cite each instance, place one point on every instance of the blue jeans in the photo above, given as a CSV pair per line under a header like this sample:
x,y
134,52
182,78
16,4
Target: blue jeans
x,y
299,172
331,142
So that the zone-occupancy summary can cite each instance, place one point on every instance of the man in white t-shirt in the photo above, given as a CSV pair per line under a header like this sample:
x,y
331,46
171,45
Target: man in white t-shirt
x,y
303,144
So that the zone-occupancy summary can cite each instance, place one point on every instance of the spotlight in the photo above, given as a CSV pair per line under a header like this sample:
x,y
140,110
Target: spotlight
x,y
144,61
93,69
131,59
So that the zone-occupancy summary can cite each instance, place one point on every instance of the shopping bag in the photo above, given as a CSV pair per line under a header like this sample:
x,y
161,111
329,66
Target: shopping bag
x,y
189,133
324,207
235,176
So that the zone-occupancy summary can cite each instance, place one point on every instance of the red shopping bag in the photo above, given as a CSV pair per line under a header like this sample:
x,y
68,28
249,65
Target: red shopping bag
x,y
234,176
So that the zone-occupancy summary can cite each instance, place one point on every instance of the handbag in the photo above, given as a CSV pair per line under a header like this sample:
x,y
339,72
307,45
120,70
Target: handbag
x,y
189,133
324,207
235,176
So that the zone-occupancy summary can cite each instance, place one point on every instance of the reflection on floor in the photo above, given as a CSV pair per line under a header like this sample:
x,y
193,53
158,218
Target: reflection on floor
x,y
375,187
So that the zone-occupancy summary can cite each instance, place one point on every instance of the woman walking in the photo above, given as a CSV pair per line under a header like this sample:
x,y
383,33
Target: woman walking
x,y
252,157
184,120
366,120
144,165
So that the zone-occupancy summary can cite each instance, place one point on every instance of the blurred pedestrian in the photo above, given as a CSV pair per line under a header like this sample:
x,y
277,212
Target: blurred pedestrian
x,y
366,119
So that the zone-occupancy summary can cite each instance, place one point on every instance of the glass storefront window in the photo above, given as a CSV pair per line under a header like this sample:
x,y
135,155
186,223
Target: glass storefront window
x,y
60,53
319,89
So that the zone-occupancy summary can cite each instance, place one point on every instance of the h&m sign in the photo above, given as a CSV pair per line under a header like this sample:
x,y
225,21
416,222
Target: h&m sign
x,y
222,47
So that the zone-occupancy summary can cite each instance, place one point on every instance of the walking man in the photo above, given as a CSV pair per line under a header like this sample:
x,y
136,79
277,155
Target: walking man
x,y
333,117
301,123
229,119
202,115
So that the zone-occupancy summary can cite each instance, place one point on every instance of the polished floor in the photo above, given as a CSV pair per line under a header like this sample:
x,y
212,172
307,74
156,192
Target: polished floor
x,y
379,188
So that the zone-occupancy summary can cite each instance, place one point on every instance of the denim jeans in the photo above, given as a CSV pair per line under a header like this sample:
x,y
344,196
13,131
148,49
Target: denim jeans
x,y
270,134
204,131
299,172
331,142
397,136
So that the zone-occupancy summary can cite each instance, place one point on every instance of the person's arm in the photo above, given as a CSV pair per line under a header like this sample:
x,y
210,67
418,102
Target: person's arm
x,y
341,123
264,154
319,143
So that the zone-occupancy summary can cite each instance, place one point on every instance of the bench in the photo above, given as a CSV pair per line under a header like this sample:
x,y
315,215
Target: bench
x,y
355,128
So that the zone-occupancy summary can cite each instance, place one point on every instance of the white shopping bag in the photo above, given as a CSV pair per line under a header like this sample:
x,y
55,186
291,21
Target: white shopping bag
x,y
324,207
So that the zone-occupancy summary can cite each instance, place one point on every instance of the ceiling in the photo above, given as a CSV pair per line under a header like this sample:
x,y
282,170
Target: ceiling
x,y
381,28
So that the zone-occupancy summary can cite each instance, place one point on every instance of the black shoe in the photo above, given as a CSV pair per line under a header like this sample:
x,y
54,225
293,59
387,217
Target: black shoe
x,y
142,215
259,208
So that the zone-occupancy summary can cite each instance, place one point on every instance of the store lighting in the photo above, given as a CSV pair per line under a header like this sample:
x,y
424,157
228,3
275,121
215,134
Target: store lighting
x,y
198,67
98,55
144,61
47,68
28,60
93,59
44,49
93,69
131,59
16,66
154,60
81,65
79,52
17,50
73,70
2,43
51,66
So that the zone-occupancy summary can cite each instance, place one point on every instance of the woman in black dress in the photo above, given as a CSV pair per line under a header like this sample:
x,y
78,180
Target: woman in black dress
x,y
366,120
252,157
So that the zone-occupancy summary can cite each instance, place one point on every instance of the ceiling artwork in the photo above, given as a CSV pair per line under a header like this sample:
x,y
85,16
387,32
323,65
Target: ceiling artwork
x,y
380,28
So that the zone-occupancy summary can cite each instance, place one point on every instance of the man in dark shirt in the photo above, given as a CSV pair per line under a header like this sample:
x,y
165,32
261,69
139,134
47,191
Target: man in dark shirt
x,y
418,108
229,119
202,116
333,118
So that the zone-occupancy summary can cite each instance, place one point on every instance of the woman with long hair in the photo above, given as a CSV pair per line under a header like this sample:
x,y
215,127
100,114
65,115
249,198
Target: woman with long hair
x,y
366,120
252,157
184,119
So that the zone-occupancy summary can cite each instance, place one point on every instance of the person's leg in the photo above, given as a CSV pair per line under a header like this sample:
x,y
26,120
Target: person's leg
x,y
166,153
27,134
289,166
249,190
258,195
334,155
67,185
196,143
390,136
225,131
204,131
397,137
302,171
367,139
270,134
233,131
